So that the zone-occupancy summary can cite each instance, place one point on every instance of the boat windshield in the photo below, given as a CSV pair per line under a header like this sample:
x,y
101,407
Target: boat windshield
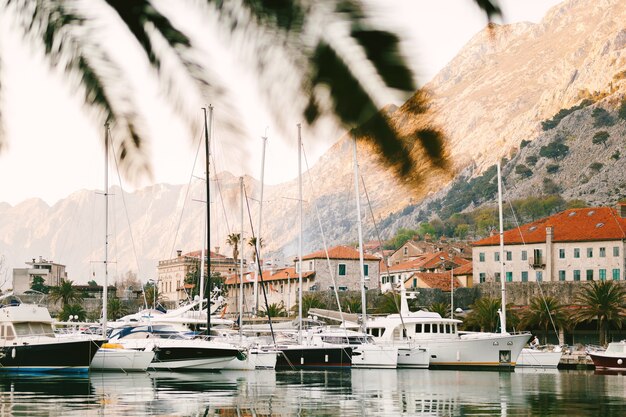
x,y
33,329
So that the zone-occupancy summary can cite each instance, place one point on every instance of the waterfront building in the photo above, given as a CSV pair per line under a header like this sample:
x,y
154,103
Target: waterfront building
x,y
416,248
171,273
583,244
52,273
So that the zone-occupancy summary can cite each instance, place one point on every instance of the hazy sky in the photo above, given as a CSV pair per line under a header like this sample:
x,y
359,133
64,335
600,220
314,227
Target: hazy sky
x,y
54,149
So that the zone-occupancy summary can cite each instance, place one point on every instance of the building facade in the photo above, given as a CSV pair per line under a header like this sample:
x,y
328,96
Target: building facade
x,y
52,273
574,245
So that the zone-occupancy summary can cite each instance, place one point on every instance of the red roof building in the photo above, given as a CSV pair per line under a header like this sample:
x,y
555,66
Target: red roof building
x,y
574,245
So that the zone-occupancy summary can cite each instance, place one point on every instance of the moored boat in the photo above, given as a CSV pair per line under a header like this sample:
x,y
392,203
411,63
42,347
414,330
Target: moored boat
x,y
614,357
28,343
540,357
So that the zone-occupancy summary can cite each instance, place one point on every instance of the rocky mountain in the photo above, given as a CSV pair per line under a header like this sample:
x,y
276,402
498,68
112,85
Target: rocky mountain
x,y
492,101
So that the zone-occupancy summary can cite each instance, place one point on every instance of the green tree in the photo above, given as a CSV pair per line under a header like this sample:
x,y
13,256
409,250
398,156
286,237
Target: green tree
x,y
389,303
351,304
39,284
310,300
523,171
542,313
252,244
66,293
621,113
554,150
72,310
152,294
550,187
443,309
461,231
92,283
233,240
602,118
115,309
532,160
484,315
600,138
602,301
552,168
596,166
274,310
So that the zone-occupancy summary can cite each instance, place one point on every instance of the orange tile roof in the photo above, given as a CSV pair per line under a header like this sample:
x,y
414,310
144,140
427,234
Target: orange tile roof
x,y
404,266
281,274
465,269
573,225
433,260
340,252
440,280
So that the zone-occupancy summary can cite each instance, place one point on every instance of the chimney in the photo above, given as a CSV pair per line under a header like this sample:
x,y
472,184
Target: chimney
x,y
549,254
179,253
217,250
621,210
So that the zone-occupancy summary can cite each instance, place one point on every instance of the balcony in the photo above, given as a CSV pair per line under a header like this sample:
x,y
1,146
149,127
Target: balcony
x,y
537,263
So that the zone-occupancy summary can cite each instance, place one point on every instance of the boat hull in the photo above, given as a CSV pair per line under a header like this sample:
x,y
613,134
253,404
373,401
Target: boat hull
x,y
313,357
603,361
375,356
413,357
113,359
538,358
55,355
254,359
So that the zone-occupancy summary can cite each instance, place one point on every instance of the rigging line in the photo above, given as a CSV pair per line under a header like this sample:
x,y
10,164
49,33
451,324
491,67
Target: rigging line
x,y
543,297
258,261
182,210
380,242
219,191
319,221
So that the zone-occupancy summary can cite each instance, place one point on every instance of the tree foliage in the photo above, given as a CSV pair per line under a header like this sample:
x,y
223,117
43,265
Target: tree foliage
x,y
65,292
600,138
556,119
72,310
554,150
542,313
602,118
602,301
39,284
523,171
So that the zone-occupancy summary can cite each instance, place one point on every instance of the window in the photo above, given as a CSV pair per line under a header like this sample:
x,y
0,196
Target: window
x,y
577,275
538,257
406,250
602,273
602,252
576,252
509,255
343,288
615,251
310,265
342,270
418,328
497,277
524,276
509,276
616,275
426,327
481,257
481,277
561,253
589,252
414,282
590,275
366,270
539,275
496,256
561,275
524,255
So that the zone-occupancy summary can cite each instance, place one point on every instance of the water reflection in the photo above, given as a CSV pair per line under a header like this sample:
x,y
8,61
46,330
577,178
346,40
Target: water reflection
x,y
357,392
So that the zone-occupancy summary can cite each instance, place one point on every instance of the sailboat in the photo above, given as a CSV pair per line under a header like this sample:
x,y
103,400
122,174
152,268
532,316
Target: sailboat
x,y
114,356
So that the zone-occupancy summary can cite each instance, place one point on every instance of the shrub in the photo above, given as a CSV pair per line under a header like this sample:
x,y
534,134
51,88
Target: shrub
x,y
556,119
554,150
552,168
532,160
621,112
523,171
600,138
523,144
616,155
602,118
550,187
596,166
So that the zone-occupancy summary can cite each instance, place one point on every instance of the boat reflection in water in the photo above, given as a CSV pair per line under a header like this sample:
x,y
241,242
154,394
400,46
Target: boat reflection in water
x,y
354,392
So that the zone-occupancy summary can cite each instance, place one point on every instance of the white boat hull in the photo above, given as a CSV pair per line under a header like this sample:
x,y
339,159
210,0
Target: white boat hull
x,y
375,356
115,359
413,357
254,359
539,358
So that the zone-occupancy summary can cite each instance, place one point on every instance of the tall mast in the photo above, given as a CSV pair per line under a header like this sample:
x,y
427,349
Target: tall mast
x,y
241,264
502,277
300,235
258,233
105,295
202,255
360,230
207,133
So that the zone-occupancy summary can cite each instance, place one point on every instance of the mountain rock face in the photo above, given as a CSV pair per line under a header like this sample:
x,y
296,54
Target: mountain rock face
x,y
488,100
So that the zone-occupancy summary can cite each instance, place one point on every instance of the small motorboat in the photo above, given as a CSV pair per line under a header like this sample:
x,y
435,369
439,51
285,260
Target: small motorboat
x,y
614,357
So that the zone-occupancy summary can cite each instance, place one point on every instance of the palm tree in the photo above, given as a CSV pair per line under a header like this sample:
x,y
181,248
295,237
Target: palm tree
x,y
351,304
484,315
274,310
152,294
72,310
287,47
252,244
233,240
543,313
65,292
309,301
115,309
602,301
443,309
389,303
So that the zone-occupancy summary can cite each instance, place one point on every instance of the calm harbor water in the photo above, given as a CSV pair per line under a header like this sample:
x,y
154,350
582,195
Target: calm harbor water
x,y
322,393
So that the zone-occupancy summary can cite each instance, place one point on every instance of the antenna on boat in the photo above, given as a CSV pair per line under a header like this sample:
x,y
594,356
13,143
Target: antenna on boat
x,y
105,295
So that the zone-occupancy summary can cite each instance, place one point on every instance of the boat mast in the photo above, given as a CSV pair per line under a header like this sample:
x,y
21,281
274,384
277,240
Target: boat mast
x,y
258,233
300,235
502,277
105,295
241,264
360,230
202,255
207,132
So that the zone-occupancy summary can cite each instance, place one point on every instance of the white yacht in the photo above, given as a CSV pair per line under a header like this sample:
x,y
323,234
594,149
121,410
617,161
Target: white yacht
x,y
540,357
